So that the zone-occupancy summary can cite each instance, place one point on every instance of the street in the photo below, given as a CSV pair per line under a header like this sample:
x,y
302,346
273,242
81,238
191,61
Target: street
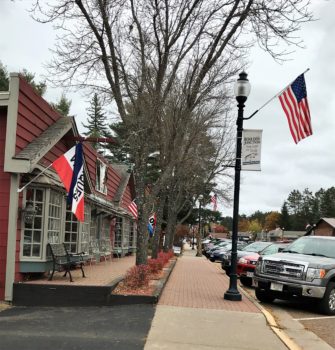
x,y
304,312
38,328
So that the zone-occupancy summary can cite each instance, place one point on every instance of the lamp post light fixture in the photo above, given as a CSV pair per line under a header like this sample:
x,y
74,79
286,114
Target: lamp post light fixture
x,y
192,237
242,90
199,236
29,212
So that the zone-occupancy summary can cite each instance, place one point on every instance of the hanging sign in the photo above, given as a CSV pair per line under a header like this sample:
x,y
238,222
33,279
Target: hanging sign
x,y
251,150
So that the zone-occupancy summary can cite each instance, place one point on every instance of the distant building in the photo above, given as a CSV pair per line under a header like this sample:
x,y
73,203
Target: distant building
x,y
279,234
324,227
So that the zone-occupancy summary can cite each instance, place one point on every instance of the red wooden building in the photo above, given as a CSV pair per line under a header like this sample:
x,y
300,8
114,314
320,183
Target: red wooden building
x,y
32,136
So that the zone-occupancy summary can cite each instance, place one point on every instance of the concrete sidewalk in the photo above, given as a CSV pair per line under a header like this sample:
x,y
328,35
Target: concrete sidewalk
x,y
192,313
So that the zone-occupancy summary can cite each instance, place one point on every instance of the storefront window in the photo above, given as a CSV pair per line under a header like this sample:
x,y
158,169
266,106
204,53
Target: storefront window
x,y
93,226
118,233
126,233
71,231
132,242
54,219
85,229
105,230
32,232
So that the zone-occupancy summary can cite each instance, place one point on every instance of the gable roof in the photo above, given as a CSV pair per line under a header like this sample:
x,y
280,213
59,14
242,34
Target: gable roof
x,y
329,221
122,169
36,149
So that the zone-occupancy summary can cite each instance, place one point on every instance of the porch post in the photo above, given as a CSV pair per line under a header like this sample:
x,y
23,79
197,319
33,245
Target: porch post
x,y
11,236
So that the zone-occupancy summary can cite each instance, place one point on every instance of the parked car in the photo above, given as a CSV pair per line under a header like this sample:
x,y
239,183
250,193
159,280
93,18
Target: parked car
x,y
216,247
214,244
305,269
254,247
218,253
246,264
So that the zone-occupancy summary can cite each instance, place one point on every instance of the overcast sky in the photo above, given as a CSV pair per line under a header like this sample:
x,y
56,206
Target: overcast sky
x,y
285,165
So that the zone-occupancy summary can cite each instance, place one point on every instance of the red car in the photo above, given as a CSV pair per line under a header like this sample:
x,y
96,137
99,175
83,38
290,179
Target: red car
x,y
246,265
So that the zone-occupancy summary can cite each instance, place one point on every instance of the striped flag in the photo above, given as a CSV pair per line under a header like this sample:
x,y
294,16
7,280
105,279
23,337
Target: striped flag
x,y
295,105
214,201
133,209
70,169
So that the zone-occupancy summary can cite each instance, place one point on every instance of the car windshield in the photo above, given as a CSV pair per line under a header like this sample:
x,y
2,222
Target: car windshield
x,y
312,246
272,249
256,246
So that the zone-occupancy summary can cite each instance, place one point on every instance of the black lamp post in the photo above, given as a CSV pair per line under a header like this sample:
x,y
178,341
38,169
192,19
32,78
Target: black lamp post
x,y
242,90
199,236
193,238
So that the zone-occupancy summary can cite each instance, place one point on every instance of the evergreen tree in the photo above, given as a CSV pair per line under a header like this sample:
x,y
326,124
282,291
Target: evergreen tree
x,y
285,218
120,150
62,106
96,121
4,79
327,203
29,77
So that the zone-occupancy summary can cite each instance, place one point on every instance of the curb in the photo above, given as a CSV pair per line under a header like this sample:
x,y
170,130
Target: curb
x,y
292,345
122,299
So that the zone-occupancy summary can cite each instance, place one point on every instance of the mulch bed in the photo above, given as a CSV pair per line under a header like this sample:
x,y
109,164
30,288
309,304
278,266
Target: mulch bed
x,y
122,289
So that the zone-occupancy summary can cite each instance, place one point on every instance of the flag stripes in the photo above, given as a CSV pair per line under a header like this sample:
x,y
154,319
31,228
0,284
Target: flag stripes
x,y
295,105
214,201
133,209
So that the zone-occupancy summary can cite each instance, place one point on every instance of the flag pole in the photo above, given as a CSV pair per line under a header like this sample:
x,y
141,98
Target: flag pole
x,y
38,175
272,98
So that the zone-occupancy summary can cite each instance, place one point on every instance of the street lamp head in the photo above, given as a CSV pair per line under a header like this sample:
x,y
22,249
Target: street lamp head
x,y
242,87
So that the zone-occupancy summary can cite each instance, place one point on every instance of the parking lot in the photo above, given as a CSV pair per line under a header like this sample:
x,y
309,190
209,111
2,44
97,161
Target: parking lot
x,y
304,312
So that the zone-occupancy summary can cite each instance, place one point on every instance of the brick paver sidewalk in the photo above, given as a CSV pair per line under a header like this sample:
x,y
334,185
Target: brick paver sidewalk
x,y
198,283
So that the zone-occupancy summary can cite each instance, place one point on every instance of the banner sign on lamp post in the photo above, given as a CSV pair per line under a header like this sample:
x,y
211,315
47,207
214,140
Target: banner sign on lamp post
x,y
251,150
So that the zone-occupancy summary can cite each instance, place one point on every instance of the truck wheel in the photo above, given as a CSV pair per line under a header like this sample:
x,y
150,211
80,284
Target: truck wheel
x,y
327,303
211,259
246,281
264,296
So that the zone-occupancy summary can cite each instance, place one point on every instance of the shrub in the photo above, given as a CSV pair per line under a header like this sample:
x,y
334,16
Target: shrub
x,y
137,276
165,257
155,265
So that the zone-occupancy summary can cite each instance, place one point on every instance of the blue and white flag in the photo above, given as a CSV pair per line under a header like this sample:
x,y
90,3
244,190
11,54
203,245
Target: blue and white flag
x,y
152,224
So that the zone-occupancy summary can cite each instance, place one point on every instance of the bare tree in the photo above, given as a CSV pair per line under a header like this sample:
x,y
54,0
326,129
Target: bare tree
x,y
136,51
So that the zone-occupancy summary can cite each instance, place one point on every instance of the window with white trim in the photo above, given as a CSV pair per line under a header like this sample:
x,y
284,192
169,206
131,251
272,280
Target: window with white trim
x,y
118,233
132,241
126,233
105,229
101,177
85,229
32,232
71,231
93,226
55,216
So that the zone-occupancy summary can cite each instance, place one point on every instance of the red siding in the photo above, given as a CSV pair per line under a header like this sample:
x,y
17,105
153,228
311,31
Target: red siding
x,y
113,178
34,116
126,199
4,203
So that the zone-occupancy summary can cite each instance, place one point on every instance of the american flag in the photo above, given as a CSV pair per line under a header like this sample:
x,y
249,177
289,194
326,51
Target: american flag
x,y
214,200
295,105
133,209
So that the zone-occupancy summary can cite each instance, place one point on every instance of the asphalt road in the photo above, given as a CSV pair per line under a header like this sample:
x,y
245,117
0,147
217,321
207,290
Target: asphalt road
x,y
307,314
36,328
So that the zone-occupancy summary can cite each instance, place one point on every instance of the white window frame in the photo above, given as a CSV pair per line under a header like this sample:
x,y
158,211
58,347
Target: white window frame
x,y
101,177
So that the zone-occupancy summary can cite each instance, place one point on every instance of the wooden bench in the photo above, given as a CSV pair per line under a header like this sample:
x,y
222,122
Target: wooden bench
x,y
62,260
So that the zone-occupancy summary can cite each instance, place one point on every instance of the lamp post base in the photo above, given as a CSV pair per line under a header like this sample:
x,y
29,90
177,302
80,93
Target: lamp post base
x,y
233,295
